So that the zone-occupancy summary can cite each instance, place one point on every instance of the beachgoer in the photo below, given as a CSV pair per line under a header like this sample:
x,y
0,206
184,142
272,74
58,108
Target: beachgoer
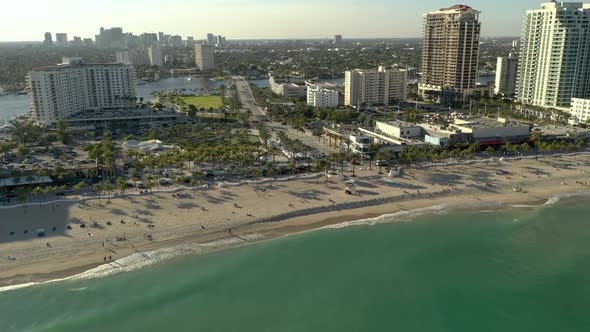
x,y
110,258
103,244
105,259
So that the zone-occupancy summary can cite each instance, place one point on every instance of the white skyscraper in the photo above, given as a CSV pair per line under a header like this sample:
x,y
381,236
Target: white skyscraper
x,y
506,70
61,92
156,56
204,57
554,63
374,87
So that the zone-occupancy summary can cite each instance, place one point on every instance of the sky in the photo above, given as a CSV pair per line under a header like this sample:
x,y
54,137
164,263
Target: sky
x,y
28,20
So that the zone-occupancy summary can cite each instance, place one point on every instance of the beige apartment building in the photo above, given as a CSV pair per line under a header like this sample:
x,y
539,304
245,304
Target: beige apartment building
x,y
450,52
204,57
74,88
379,86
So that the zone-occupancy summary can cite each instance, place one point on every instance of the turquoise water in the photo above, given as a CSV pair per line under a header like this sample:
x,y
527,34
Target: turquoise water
x,y
516,270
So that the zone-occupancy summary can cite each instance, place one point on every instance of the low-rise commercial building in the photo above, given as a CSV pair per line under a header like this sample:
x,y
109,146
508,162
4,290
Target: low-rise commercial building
x,y
348,138
289,88
441,136
398,129
133,119
493,131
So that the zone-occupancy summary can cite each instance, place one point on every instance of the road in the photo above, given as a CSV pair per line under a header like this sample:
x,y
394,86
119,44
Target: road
x,y
247,99
308,140
249,102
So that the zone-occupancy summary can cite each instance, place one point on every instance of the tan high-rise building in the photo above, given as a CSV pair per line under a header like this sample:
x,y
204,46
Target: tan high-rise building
x,y
204,57
375,86
450,52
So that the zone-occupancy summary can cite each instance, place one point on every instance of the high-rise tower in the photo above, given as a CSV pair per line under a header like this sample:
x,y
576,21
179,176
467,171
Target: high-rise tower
x,y
450,51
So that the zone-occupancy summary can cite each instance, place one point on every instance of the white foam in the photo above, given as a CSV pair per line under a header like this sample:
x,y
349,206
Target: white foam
x,y
524,206
81,289
556,199
141,260
408,215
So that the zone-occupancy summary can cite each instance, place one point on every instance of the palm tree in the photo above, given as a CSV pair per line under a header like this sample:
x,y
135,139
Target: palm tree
x,y
38,191
373,150
108,188
354,159
79,187
385,155
98,188
323,166
121,185
536,137
22,196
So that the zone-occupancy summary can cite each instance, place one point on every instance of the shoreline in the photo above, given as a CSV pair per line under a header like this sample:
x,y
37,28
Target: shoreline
x,y
288,208
323,221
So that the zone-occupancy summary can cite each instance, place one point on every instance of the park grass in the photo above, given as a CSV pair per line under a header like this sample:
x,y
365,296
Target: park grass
x,y
207,102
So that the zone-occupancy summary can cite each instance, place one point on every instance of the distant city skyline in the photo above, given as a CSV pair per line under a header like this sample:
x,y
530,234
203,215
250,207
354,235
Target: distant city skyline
x,y
250,19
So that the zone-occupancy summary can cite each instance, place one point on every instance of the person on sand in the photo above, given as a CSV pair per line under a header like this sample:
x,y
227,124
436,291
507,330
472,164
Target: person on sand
x,y
110,258
105,259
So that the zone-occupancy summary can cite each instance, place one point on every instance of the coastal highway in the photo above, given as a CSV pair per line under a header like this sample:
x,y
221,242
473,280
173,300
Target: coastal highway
x,y
247,99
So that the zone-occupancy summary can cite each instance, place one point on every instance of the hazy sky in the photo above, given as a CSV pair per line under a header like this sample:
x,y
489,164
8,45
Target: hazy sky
x,y
245,19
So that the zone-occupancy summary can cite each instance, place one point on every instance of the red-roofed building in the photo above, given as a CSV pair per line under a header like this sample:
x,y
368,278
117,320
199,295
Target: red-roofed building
x,y
450,53
461,8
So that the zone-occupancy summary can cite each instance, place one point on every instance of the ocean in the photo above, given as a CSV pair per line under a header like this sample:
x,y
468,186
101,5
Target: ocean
x,y
517,269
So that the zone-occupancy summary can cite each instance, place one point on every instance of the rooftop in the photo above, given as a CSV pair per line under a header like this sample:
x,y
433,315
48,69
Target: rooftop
x,y
462,8
61,67
456,9
486,123
399,124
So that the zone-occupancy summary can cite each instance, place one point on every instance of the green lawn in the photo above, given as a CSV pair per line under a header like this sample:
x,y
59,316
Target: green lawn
x,y
214,102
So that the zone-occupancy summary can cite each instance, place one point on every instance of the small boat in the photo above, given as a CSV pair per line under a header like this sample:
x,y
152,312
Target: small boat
x,y
190,78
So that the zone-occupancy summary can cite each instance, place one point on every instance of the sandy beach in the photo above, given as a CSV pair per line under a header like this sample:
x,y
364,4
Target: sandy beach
x,y
119,227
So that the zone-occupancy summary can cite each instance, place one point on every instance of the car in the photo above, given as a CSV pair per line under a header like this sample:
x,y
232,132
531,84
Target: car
x,y
381,163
